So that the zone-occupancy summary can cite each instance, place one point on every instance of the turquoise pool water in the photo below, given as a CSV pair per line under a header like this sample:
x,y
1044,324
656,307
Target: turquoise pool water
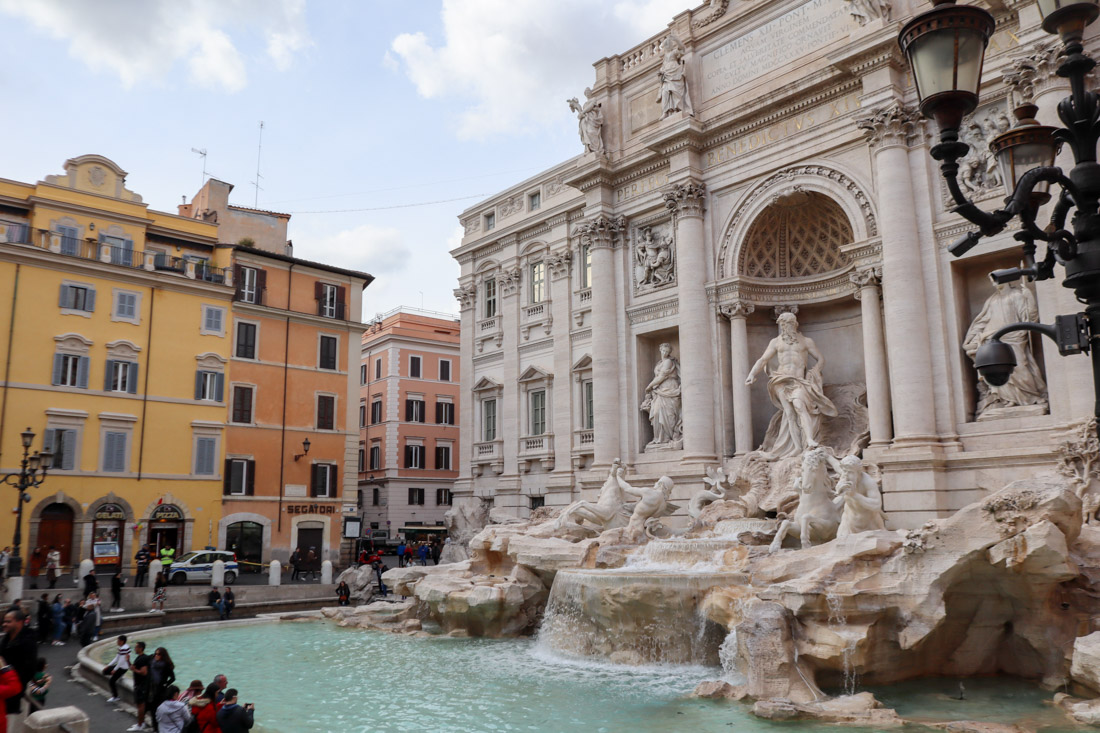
x,y
313,677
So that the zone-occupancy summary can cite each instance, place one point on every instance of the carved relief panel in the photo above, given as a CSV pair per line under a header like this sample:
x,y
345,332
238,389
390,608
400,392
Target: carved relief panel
x,y
653,257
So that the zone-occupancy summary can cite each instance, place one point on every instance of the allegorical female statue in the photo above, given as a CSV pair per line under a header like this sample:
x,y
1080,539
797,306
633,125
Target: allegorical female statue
x,y
662,402
674,96
589,122
1010,303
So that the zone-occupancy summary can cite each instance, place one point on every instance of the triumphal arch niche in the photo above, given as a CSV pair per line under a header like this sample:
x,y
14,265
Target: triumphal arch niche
x,y
750,161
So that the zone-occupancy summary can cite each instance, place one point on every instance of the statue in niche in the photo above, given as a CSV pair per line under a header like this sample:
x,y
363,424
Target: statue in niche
x,y
654,255
864,11
818,516
606,512
662,403
796,389
857,497
674,95
589,122
1009,303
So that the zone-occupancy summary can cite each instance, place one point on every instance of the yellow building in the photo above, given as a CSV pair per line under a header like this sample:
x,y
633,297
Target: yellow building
x,y
114,323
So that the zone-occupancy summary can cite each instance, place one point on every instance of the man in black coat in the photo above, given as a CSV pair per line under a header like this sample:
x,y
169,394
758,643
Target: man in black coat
x,y
91,583
19,649
234,718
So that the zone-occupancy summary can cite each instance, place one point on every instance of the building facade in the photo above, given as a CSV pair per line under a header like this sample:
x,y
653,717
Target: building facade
x,y
408,409
788,172
294,356
116,348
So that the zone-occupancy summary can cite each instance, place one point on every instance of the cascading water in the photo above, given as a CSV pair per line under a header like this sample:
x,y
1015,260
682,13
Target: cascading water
x,y
838,621
648,612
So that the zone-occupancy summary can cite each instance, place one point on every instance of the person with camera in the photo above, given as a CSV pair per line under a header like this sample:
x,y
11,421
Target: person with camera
x,y
234,718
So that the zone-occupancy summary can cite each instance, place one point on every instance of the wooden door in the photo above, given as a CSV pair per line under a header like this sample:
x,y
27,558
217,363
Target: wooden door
x,y
55,527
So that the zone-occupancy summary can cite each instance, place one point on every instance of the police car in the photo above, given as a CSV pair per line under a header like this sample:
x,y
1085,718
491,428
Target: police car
x,y
199,566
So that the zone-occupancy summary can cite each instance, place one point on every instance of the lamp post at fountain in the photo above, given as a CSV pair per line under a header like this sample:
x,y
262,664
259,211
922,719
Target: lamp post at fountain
x,y
946,48
32,472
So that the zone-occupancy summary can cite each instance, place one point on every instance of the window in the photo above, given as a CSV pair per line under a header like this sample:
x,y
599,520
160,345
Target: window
x,y
77,298
377,368
330,300
62,443
206,451
490,221
444,413
489,420
537,502
326,412
250,284
125,307
414,410
362,460
534,201
490,298
70,370
375,412
114,451
70,241
240,477
376,497
120,376
416,497
443,457
375,456
213,321
538,412
362,374
589,411
414,367
442,497
362,415
246,340
538,282
586,266
324,480
209,386
327,359
414,456
122,250
242,404
444,370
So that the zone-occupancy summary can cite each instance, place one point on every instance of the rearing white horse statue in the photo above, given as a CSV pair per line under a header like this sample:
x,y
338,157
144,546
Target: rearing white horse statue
x,y
606,512
817,516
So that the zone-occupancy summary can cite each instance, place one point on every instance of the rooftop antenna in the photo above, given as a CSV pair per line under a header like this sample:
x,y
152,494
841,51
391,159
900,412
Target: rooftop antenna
x,y
202,154
259,149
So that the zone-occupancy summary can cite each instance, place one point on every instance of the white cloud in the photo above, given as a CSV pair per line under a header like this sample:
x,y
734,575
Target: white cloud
x,y
517,61
377,250
141,41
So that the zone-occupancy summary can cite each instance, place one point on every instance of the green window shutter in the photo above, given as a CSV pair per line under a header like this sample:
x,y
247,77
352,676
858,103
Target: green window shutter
x,y
108,377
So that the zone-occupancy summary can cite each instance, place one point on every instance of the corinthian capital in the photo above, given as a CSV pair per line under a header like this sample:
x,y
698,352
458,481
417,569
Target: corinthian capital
x,y
686,199
891,125
601,232
509,281
465,296
866,278
1035,72
736,309
558,263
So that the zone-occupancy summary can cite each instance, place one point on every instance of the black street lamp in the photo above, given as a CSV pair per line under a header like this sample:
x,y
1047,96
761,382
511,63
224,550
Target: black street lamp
x,y
32,472
946,48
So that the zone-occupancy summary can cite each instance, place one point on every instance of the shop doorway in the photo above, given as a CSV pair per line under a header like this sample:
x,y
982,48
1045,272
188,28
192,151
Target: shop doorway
x,y
55,528
247,540
311,534
160,537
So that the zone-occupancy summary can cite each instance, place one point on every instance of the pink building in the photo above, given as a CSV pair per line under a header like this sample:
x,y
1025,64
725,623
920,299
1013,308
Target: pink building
x,y
408,409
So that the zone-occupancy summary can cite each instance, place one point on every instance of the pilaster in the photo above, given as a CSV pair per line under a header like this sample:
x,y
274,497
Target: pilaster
x,y
738,314
875,367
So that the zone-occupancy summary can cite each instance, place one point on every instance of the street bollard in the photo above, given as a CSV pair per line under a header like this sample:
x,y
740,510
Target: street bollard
x,y
217,574
326,572
275,575
154,570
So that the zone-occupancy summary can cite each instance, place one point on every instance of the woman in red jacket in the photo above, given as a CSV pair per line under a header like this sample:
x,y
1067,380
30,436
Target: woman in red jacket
x,y
205,710
10,686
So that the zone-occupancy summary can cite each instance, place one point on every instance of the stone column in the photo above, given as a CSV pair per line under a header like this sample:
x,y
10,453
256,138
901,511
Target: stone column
x,y
562,414
906,311
875,369
510,411
697,398
602,235
466,296
740,364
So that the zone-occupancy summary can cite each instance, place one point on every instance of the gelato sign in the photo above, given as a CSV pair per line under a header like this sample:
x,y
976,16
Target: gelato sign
x,y
807,28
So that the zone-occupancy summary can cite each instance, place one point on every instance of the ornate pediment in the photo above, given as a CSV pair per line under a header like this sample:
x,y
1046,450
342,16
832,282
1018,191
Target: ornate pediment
x,y
535,374
487,385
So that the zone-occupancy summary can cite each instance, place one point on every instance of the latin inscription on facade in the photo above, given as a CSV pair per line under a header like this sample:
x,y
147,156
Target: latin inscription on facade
x,y
781,130
641,186
801,31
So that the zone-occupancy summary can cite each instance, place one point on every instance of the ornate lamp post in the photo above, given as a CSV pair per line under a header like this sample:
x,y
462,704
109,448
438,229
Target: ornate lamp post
x,y
946,48
32,472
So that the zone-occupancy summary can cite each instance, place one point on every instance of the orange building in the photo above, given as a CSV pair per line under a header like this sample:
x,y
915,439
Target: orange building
x,y
292,436
408,407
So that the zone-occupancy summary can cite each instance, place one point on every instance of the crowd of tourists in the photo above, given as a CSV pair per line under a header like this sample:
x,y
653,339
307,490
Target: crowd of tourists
x,y
212,708
418,553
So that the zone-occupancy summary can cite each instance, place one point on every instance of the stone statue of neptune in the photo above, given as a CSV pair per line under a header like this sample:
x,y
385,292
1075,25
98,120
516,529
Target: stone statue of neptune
x,y
796,389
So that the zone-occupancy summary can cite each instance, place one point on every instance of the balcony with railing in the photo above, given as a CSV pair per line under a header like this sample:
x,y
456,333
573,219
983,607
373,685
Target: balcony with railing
x,y
113,254
584,441
488,453
536,448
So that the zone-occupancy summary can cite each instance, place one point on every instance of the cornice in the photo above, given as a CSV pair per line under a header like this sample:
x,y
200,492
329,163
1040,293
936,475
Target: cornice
x,y
653,311
84,210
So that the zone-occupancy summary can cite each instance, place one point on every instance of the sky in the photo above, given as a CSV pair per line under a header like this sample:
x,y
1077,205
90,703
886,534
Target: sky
x,y
383,119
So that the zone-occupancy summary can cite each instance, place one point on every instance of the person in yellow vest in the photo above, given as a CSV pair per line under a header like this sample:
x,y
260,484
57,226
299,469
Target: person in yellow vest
x,y
167,555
